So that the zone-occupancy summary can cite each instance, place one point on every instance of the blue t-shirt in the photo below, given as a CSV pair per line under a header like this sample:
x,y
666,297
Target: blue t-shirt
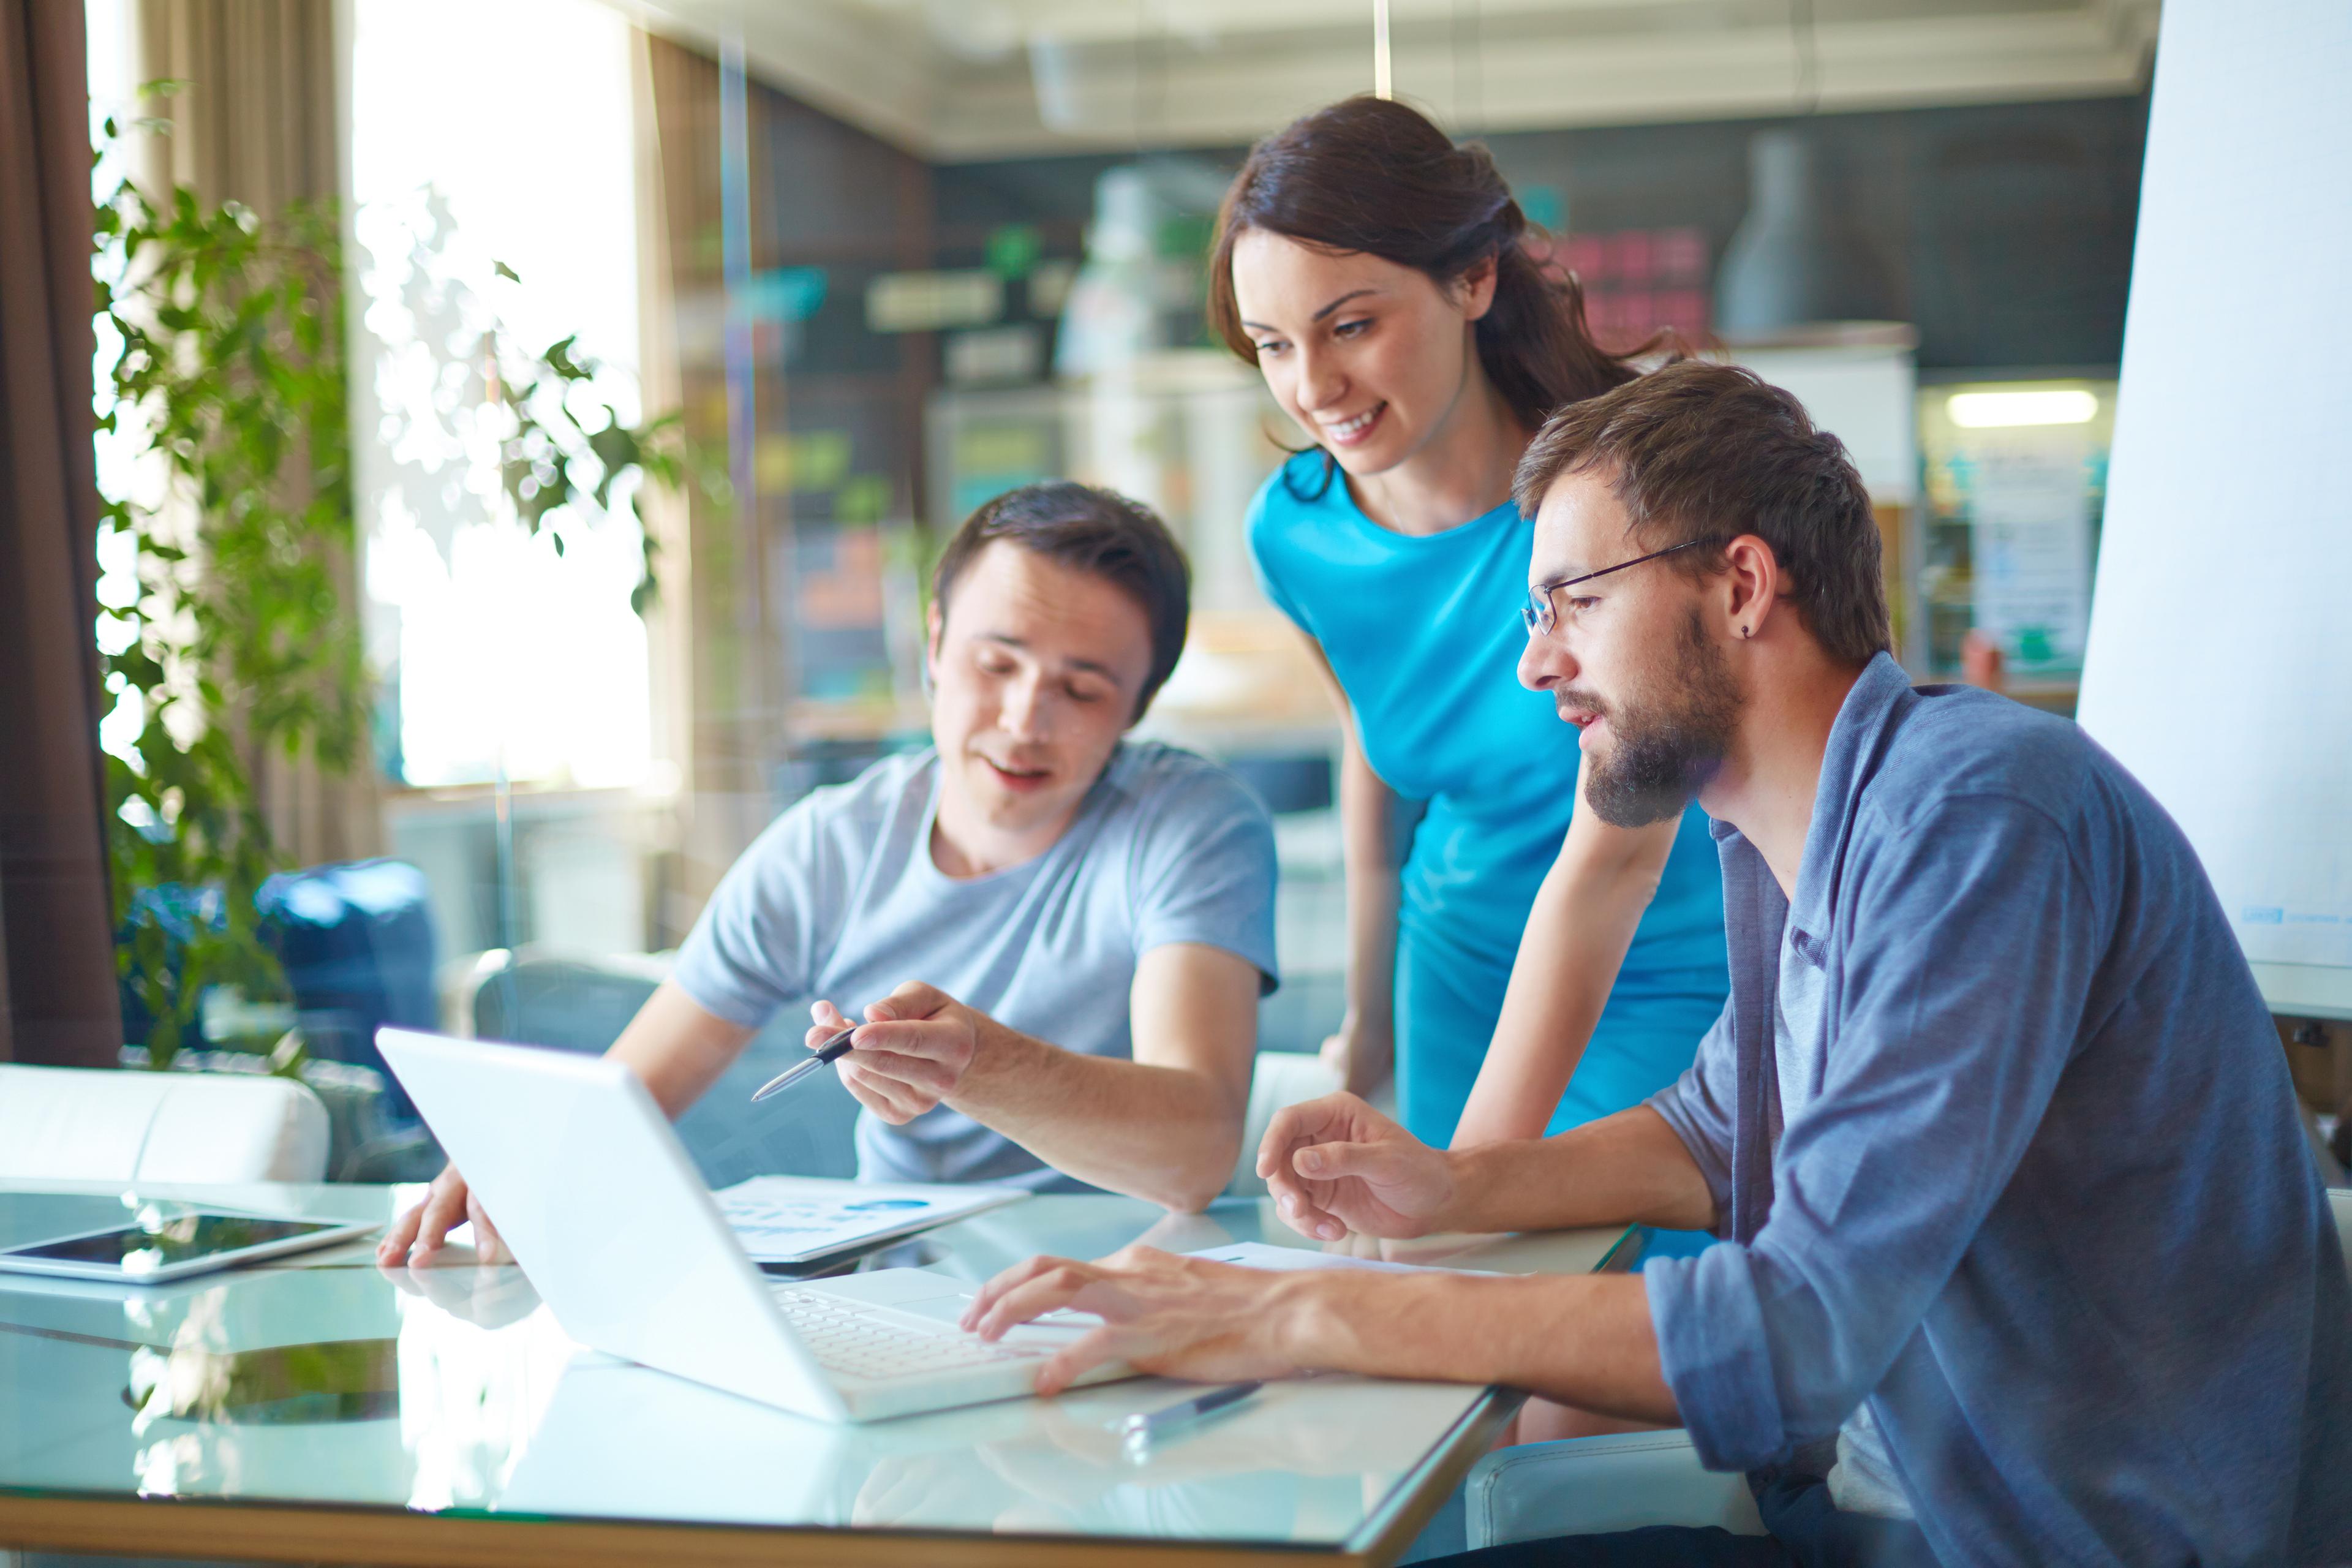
x,y
1424,634
840,899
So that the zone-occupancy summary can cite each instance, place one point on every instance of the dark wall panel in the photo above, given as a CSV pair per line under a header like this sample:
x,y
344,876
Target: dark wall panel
x,y
2002,231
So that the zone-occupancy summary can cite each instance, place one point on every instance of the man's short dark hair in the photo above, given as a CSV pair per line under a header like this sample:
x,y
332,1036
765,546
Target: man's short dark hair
x,y
1696,450
1088,530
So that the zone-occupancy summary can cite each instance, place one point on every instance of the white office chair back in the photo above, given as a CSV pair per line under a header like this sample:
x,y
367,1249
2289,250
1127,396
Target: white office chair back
x,y
75,1124
1280,1078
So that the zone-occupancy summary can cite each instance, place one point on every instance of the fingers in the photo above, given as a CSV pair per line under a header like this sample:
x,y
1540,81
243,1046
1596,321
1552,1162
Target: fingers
x,y
401,1235
912,1000
1337,1050
1067,1273
925,1052
444,1211
900,1070
425,1228
1049,1292
997,1284
1330,1162
1308,1121
489,1247
1082,1355
1302,1213
1294,1198
827,1022
893,1099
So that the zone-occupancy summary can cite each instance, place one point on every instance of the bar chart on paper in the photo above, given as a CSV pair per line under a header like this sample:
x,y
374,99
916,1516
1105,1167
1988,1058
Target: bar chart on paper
x,y
796,1219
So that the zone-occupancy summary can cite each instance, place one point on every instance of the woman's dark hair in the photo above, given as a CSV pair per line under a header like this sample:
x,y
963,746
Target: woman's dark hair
x,y
1088,530
1369,175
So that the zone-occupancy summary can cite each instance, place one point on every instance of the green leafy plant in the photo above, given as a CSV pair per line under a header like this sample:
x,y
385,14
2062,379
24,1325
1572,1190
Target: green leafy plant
x,y
228,413
484,422
231,628
549,460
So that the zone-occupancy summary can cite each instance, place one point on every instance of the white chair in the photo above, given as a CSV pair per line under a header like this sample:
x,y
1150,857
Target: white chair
x,y
1280,1078
1589,1486
76,1124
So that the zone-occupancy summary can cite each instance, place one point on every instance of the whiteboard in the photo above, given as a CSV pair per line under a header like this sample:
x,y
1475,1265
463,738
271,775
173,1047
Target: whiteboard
x,y
2218,666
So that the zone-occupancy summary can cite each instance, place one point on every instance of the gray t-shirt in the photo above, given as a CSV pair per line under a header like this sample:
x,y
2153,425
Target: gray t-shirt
x,y
1863,1479
840,899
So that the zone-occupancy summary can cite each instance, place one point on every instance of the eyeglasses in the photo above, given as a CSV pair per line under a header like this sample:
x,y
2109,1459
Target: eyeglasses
x,y
1537,612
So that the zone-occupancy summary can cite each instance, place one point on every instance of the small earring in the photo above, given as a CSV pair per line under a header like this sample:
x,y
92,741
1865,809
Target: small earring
x,y
1745,632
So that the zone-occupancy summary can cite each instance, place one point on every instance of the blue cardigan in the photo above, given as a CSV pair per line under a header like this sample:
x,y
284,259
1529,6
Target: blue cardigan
x,y
2048,1205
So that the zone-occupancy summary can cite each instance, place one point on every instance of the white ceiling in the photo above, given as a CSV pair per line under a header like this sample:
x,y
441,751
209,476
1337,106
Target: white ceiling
x,y
963,79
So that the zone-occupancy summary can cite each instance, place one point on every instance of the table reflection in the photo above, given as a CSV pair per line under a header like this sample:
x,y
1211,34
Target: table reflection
x,y
329,1379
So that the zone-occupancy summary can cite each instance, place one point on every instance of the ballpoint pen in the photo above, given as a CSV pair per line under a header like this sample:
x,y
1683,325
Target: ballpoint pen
x,y
1138,1431
831,1050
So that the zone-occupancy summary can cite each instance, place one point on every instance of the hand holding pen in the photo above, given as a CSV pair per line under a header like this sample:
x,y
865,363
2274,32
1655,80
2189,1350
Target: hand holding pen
x,y
910,1052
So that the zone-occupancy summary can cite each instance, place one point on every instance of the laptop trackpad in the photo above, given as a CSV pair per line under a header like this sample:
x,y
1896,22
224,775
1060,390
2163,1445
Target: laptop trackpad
x,y
903,1288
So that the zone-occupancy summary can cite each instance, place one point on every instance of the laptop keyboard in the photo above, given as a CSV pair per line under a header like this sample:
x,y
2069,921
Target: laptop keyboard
x,y
847,1339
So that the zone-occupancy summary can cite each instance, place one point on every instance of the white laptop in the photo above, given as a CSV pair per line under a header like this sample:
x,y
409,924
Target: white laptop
x,y
611,1221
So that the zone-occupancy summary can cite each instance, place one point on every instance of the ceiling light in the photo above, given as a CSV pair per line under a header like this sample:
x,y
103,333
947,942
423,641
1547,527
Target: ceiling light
x,y
1993,410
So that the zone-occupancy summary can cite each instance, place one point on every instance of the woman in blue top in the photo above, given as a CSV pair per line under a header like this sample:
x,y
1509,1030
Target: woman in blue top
x,y
1375,273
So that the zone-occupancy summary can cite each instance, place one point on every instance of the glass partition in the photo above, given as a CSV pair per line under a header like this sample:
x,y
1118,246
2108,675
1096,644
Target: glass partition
x,y
679,335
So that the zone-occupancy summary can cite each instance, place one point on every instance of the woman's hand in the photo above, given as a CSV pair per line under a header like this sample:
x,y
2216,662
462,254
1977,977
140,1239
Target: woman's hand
x,y
1362,1057
1335,1164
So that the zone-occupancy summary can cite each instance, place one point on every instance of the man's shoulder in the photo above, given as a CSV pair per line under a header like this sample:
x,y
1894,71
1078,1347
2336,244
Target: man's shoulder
x,y
1155,774
1959,743
853,814
1158,784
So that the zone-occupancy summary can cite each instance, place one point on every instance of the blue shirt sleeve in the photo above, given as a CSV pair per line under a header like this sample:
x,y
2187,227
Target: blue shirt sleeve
x,y
1699,1107
1205,871
1267,515
756,946
1973,936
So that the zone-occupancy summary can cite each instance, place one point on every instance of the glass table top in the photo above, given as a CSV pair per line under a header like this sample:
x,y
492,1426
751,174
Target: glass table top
x,y
320,1378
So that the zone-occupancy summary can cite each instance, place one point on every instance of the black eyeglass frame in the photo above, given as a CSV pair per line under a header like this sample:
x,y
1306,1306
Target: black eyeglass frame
x,y
1537,612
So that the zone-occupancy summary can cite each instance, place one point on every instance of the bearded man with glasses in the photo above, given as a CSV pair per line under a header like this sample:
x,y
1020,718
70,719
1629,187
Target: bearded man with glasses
x,y
2022,1256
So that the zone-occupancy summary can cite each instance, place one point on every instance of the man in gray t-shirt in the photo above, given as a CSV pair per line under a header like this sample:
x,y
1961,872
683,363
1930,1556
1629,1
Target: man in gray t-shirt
x,y
1054,939
842,898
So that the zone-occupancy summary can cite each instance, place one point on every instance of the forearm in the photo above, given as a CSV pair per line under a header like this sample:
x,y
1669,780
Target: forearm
x,y
1367,852
1626,1169
1578,933
677,1047
1167,1135
1583,1340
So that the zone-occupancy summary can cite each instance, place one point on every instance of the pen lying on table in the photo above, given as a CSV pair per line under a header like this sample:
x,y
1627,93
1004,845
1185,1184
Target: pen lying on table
x,y
829,1050
1142,1428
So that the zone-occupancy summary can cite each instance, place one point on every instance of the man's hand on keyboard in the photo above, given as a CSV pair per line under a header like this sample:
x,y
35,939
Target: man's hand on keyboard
x,y
1179,1316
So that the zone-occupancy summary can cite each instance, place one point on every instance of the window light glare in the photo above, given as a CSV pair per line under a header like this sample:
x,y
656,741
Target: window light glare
x,y
1993,410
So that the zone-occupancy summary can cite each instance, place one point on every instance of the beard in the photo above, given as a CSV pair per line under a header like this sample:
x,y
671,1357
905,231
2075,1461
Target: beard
x,y
1668,746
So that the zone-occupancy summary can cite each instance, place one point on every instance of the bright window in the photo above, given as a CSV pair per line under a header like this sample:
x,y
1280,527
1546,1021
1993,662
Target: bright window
x,y
498,135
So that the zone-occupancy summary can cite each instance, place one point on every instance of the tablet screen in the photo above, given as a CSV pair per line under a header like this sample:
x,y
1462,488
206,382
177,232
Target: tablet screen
x,y
180,1238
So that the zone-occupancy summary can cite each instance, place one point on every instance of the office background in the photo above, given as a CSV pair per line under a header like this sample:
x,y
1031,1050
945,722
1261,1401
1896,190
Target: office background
x,y
839,272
